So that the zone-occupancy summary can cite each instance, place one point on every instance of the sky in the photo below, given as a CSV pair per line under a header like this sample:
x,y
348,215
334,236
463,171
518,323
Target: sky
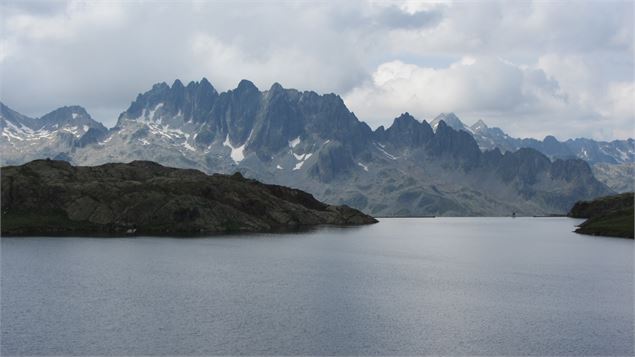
x,y
530,68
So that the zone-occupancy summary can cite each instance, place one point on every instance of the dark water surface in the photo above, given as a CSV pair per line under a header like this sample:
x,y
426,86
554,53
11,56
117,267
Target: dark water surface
x,y
452,286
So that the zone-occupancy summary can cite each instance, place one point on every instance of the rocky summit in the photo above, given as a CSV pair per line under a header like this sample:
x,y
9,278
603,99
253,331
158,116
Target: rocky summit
x,y
312,142
49,197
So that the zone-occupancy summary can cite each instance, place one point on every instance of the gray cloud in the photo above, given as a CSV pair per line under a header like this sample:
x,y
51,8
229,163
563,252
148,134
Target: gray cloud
x,y
539,67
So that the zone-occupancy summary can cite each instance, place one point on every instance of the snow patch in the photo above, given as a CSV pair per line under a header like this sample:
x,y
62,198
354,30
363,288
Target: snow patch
x,y
363,166
74,115
73,130
10,135
279,167
298,166
237,153
23,132
386,153
165,131
188,146
150,114
302,159
293,143
303,156
623,155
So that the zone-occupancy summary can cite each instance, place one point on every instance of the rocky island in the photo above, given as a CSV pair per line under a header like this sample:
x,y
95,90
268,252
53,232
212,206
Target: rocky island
x,y
606,216
49,197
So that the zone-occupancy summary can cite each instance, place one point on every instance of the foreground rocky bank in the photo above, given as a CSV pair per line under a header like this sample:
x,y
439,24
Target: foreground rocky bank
x,y
49,197
607,216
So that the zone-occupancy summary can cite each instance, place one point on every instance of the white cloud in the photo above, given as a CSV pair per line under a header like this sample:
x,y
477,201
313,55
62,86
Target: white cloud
x,y
475,85
529,67
75,17
292,67
551,97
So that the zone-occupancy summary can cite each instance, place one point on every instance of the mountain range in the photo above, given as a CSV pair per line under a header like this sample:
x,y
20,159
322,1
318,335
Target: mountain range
x,y
612,162
313,142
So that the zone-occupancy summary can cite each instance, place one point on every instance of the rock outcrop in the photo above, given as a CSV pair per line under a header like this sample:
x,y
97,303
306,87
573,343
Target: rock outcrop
x,y
607,216
48,197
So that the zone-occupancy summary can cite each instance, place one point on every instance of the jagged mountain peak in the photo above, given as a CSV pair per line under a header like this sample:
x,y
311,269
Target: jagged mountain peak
x,y
448,118
246,85
73,110
550,139
451,120
440,125
404,118
69,116
405,131
276,87
203,86
449,115
191,103
160,86
479,126
177,85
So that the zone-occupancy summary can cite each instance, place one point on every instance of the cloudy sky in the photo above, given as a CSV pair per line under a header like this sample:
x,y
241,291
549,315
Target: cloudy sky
x,y
531,68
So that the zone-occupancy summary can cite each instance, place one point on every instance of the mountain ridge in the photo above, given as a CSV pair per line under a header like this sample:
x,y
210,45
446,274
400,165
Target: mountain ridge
x,y
313,142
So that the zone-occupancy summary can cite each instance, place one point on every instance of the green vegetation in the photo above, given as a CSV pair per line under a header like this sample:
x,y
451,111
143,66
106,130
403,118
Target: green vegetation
x,y
607,216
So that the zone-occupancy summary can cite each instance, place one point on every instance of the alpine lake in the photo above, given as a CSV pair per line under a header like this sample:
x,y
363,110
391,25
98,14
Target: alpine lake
x,y
403,286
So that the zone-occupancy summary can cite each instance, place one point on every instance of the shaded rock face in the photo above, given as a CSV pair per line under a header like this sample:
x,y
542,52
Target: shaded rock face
x,y
54,197
620,178
406,131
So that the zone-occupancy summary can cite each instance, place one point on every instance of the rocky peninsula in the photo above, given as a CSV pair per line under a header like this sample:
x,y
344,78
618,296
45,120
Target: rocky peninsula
x,y
606,216
49,197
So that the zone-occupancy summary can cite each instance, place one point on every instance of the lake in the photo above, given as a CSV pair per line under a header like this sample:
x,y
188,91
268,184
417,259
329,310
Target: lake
x,y
450,286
